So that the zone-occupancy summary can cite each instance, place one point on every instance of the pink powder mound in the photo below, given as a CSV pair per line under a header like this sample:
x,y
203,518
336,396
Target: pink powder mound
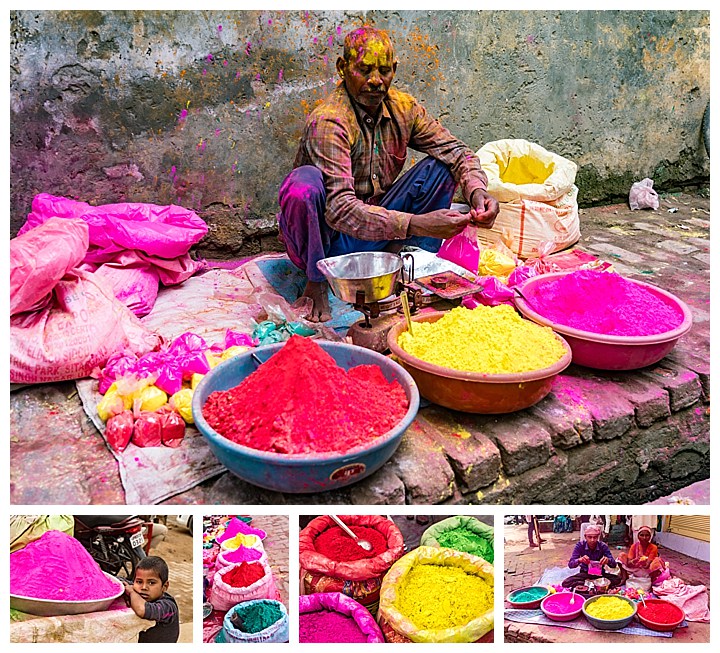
x,y
242,554
330,627
58,568
560,603
235,526
605,302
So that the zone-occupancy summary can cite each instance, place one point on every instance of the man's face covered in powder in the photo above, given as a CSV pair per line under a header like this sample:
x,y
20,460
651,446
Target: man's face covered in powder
x,y
369,70
148,584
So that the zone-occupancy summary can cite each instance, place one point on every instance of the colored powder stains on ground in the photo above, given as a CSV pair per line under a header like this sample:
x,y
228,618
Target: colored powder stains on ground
x,y
463,539
660,613
435,597
256,617
329,627
532,594
301,401
58,568
337,545
560,603
242,554
609,608
244,574
605,302
487,339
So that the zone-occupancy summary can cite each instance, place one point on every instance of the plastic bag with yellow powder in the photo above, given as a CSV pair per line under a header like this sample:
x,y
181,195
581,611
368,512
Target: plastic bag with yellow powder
x,y
181,401
464,586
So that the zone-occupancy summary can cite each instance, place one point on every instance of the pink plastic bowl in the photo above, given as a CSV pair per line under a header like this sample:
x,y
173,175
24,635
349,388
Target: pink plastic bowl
x,y
601,351
554,606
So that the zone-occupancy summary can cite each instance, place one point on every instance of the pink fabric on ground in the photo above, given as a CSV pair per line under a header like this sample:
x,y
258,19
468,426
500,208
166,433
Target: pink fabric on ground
x,y
693,599
57,567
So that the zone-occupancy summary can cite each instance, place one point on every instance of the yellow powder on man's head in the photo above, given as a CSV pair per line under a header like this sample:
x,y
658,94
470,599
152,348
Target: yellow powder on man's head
x,y
435,597
609,608
486,339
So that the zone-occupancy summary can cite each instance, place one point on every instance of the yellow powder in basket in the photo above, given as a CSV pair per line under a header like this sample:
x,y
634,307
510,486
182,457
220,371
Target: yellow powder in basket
x,y
434,597
487,339
609,608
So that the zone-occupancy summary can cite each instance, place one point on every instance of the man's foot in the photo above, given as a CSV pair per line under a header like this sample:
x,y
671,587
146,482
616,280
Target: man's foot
x,y
317,291
533,544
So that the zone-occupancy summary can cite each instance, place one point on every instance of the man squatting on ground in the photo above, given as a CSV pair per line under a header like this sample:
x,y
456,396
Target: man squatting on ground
x,y
340,197
591,550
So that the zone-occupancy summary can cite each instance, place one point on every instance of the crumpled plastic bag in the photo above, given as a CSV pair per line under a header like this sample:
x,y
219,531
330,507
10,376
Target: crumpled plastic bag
x,y
494,292
172,429
119,430
643,196
148,430
188,351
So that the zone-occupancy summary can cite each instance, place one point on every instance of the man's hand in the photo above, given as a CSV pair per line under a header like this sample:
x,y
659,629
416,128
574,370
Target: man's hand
x,y
603,561
585,560
443,223
483,209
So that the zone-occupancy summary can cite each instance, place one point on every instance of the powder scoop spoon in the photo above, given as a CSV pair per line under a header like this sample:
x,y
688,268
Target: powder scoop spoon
x,y
572,598
363,544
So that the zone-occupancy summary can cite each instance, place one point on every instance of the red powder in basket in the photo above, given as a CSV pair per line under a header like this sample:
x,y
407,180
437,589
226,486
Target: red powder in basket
x,y
244,574
329,627
605,302
660,613
58,568
337,545
301,401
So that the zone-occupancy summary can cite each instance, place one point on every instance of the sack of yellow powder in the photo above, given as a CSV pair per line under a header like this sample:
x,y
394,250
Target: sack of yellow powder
x,y
360,579
437,595
497,260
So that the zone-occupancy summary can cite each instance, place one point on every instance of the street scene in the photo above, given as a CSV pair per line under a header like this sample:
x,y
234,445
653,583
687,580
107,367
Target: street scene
x,y
651,572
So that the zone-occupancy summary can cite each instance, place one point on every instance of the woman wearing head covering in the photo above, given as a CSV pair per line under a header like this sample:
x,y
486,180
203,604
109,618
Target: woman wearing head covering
x,y
587,551
642,559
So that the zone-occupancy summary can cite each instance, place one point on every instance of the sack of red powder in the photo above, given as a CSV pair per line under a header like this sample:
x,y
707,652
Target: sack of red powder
x,y
333,617
172,427
119,430
241,554
242,582
148,430
331,561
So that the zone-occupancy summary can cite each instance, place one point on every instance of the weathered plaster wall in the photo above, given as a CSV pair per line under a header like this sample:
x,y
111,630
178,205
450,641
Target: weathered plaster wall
x,y
204,108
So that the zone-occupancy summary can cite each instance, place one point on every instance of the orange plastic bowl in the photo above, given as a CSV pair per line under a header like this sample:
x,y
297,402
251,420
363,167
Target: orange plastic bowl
x,y
473,392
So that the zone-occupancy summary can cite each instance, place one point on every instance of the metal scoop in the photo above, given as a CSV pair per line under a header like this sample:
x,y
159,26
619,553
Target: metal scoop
x,y
363,544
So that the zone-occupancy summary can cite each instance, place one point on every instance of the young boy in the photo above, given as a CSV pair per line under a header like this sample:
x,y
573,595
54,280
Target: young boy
x,y
149,600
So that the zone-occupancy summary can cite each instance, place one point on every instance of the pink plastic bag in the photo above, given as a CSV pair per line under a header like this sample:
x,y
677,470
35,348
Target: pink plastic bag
x,y
494,292
38,260
77,331
188,352
643,196
134,238
463,249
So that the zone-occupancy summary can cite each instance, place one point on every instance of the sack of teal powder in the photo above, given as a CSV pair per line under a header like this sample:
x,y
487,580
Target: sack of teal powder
x,y
330,561
437,595
242,582
462,534
332,617
261,621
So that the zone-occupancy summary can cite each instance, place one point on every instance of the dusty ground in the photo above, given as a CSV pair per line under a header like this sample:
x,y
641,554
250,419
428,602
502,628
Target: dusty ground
x,y
524,566
176,549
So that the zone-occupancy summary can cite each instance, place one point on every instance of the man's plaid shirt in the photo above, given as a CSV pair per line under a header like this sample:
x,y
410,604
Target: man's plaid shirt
x,y
361,158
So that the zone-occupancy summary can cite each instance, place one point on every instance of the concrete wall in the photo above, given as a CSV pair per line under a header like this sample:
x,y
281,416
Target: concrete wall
x,y
694,548
204,108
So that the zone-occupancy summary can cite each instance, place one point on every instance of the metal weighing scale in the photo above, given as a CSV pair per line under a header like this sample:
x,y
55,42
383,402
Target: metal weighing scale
x,y
373,282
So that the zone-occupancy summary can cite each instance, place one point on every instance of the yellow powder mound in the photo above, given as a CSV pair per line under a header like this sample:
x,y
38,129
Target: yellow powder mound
x,y
487,339
609,608
435,597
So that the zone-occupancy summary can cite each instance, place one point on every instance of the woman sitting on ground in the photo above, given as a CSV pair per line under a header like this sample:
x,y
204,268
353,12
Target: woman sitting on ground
x,y
642,559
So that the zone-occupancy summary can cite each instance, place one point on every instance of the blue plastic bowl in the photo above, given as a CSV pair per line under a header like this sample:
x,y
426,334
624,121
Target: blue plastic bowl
x,y
297,473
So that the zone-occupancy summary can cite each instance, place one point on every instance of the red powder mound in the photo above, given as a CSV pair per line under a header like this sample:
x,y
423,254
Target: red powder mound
x,y
660,613
301,401
337,545
605,302
57,567
244,574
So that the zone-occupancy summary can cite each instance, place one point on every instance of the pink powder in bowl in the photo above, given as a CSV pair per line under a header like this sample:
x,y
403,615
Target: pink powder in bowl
x,y
606,303
329,626
56,567
560,603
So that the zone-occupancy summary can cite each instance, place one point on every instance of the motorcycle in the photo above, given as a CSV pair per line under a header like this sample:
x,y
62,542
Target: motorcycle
x,y
114,541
